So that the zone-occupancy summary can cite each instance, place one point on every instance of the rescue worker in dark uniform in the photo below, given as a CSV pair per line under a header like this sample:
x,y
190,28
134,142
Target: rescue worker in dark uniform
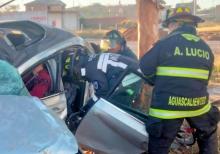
x,y
118,45
179,67
102,70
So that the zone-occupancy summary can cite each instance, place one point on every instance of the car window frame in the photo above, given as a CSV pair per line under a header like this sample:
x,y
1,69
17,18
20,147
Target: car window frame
x,y
138,114
121,77
45,61
85,94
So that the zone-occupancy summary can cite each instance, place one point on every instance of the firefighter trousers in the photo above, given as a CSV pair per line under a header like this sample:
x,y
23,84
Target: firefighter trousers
x,y
162,132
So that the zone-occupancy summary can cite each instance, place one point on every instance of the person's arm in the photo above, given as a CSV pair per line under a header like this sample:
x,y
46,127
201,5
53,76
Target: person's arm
x,y
99,81
149,63
43,85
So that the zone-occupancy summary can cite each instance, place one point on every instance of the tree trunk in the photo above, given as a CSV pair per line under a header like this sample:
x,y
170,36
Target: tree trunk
x,y
148,17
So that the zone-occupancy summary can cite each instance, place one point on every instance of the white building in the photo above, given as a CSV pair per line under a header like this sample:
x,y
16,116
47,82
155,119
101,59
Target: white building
x,y
50,12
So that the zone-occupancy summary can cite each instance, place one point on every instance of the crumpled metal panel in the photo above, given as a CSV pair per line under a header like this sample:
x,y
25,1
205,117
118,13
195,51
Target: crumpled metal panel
x,y
107,129
28,127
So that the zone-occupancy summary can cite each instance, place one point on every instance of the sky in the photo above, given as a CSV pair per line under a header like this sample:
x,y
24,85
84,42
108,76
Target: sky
x,y
202,3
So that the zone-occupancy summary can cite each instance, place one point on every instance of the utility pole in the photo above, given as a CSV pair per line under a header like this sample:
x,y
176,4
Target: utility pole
x,y
194,7
148,18
148,27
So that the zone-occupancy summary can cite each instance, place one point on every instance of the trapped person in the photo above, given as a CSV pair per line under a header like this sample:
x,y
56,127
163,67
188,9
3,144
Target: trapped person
x,y
179,66
10,81
117,44
39,84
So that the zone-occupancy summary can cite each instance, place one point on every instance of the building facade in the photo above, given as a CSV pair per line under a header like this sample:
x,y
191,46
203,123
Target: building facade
x,y
49,12
217,13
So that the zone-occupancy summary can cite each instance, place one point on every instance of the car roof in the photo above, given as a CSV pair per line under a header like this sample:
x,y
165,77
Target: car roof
x,y
38,39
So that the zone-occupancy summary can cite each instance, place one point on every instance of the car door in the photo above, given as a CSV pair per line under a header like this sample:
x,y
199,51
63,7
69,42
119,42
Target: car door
x,y
55,98
113,125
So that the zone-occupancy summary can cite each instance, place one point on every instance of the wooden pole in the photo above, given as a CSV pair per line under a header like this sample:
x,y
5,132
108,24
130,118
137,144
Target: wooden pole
x,y
148,18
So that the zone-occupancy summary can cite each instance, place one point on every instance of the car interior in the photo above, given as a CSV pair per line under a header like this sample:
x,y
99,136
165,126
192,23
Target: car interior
x,y
131,85
29,76
75,89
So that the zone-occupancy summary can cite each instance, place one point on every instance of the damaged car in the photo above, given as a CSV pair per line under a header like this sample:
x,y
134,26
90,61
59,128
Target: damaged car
x,y
26,44
116,122
28,127
111,125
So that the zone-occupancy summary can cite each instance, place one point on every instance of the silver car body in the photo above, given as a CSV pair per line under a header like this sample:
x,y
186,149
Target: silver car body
x,y
28,127
50,42
56,102
108,129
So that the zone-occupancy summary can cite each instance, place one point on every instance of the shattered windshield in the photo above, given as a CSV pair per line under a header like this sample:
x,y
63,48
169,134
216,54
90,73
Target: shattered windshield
x,y
10,81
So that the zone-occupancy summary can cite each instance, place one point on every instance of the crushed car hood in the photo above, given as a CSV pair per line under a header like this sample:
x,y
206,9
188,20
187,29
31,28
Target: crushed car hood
x,y
28,127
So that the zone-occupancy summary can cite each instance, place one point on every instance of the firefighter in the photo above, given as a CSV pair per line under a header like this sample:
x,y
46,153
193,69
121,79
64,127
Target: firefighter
x,y
179,67
118,45
103,71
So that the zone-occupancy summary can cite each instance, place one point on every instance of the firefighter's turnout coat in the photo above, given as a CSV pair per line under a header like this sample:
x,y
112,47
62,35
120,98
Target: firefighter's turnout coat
x,y
179,67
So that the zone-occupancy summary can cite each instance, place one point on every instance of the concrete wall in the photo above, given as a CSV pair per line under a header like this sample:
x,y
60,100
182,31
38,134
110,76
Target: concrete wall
x,y
36,7
217,13
66,20
55,20
71,21
39,17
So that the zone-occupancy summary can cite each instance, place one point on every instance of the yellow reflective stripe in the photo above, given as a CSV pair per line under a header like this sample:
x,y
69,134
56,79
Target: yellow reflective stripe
x,y
167,114
182,72
191,37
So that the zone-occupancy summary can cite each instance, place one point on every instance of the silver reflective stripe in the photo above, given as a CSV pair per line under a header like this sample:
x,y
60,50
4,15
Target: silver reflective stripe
x,y
104,61
117,64
183,72
100,62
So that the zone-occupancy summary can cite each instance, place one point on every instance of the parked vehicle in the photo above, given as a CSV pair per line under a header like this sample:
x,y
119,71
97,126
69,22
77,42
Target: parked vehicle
x,y
26,44
28,127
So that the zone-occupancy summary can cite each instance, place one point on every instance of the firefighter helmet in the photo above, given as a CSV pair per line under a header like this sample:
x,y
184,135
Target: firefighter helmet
x,y
181,14
115,37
